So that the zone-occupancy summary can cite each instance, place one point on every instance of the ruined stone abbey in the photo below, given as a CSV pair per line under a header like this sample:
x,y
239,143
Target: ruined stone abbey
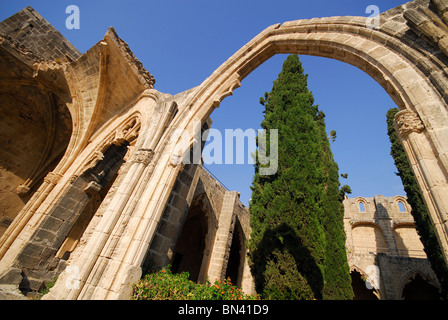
x,y
96,193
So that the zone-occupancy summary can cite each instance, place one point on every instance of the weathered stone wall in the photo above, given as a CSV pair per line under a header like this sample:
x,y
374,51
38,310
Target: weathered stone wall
x,y
381,235
162,246
35,123
29,29
197,189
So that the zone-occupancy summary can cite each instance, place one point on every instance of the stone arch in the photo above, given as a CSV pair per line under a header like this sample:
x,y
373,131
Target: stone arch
x,y
346,39
362,292
416,285
195,242
398,65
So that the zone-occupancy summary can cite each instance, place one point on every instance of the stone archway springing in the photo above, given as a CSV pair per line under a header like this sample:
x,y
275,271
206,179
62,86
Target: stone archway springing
x,y
360,289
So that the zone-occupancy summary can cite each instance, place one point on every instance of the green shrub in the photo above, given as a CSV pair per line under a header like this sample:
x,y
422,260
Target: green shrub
x,y
47,288
165,285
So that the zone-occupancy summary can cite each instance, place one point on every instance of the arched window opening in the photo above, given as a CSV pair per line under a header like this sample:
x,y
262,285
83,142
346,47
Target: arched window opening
x,y
401,206
362,206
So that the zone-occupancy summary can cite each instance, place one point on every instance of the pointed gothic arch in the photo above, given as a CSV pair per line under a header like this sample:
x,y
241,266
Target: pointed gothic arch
x,y
361,289
418,286
397,64
195,242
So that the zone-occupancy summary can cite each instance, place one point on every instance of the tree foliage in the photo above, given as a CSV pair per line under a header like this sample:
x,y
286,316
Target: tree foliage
x,y
415,199
297,247
165,285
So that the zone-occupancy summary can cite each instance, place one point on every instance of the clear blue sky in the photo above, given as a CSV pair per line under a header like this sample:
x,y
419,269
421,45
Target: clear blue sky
x,y
181,42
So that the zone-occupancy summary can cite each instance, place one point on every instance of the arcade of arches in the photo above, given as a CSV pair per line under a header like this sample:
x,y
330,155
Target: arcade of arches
x,y
99,182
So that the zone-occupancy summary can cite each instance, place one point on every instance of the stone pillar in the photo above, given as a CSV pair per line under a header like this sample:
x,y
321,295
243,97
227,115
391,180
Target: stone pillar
x,y
386,285
223,239
429,171
90,262
384,221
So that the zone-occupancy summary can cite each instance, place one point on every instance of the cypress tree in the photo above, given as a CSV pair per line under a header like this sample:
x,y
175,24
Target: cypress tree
x,y
336,270
297,246
415,199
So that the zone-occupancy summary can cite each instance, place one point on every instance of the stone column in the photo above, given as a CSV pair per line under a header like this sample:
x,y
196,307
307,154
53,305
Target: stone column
x,y
384,221
88,264
429,171
223,239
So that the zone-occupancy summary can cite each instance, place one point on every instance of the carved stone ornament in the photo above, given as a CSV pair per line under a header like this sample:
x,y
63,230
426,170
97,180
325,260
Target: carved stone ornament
x,y
408,122
175,160
93,187
127,133
93,159
119,137
52,178
22,190
143,156
73,179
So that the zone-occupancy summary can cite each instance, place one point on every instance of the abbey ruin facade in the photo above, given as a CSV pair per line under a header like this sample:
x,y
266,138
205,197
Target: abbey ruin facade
x,y
95,190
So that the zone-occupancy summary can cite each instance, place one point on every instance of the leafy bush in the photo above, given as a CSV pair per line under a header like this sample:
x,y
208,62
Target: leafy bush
x,y
164,285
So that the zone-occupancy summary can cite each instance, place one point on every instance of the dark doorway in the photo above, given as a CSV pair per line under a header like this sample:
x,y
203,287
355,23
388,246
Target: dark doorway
x,y
191,244
359,288
419,289
234,264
